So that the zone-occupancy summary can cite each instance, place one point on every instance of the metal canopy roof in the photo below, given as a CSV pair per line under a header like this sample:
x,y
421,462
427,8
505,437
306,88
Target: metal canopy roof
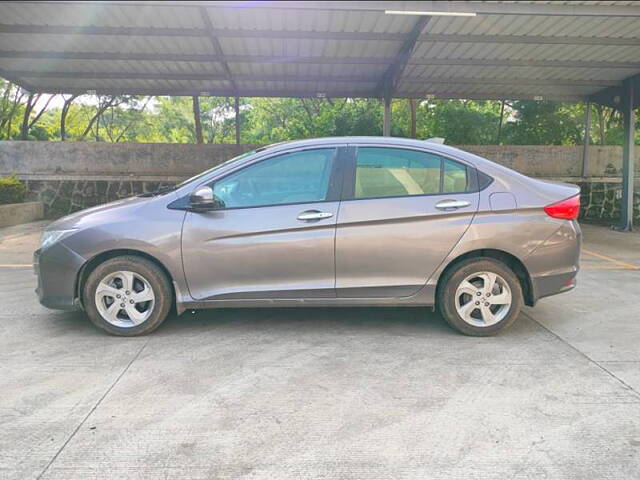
x,y
562,50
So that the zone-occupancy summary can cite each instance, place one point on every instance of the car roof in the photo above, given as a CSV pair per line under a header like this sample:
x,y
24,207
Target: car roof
x,y
352,140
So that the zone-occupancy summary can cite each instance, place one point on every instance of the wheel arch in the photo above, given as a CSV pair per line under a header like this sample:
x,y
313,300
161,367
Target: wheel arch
x,y
98,259
513,262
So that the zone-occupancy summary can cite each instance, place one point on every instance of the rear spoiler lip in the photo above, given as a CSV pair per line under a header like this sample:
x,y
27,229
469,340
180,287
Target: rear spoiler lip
x,y
561,184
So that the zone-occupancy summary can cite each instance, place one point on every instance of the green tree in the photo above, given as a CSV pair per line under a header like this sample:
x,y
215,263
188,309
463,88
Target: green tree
x,y
129,118
459,122
545,123
11,109
280,119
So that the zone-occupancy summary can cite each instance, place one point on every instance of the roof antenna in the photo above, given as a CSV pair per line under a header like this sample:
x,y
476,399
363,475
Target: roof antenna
x,y
438,140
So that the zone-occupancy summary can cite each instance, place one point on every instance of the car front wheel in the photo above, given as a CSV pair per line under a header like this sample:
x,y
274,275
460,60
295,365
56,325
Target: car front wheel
x,y
127,296
480,297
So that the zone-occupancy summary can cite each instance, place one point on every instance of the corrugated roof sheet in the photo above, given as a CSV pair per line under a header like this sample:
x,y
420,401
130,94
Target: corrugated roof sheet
x,y
553,49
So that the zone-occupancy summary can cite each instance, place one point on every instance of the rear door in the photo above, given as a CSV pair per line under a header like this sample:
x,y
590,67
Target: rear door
x,y
402,212
275,236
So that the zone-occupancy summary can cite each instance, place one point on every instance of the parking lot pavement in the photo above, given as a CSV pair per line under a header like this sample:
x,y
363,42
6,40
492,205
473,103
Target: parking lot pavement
x,y
327,393
17,244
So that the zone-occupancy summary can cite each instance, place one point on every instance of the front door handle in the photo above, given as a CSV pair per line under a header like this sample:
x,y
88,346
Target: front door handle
x,y
314,215
452,204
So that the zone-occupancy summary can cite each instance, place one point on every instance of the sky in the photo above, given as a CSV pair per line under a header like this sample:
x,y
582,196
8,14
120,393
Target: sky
x,y
58,101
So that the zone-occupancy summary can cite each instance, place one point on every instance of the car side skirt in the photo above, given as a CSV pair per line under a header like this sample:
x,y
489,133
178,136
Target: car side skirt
x,y
424,298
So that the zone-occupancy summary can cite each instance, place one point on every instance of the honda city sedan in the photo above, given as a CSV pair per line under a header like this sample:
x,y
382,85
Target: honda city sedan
x,y
353,221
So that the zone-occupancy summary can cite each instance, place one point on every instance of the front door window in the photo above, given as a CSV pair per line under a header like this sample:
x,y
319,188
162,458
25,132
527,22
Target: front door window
x,y
297,177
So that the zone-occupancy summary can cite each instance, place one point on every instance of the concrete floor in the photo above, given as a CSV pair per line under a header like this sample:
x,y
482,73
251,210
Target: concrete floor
x,y
326,393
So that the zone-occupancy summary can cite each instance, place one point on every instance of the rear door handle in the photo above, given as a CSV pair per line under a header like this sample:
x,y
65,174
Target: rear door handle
x,y
452,204
314,215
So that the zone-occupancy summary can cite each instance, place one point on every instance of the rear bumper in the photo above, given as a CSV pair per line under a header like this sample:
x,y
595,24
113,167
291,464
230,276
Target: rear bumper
x,y
554,284
57,269
555,264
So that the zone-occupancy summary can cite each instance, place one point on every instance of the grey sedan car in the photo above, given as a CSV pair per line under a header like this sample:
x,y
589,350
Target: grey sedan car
x,y
353,221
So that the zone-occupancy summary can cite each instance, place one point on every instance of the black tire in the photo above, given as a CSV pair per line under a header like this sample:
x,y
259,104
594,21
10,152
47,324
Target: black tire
x,y
446,296
154,276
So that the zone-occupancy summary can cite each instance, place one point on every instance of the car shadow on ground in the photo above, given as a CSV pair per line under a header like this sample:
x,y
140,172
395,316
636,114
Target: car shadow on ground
x,y
310,320
399,320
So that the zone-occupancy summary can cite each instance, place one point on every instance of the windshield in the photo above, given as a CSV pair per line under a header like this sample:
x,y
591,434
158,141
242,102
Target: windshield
x,y
206,172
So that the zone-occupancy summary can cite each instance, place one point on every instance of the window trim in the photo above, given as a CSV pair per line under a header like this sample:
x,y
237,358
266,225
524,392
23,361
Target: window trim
x,y
334,188
349,179
342,179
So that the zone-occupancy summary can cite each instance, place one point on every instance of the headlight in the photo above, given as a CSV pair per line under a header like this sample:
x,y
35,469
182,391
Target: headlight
x,y
49,237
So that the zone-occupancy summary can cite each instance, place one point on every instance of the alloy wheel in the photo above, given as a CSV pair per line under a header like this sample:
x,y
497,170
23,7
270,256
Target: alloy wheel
x,y
483,299
125,299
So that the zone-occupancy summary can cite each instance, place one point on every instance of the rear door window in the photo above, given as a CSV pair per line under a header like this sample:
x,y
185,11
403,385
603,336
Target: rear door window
x,y
395,172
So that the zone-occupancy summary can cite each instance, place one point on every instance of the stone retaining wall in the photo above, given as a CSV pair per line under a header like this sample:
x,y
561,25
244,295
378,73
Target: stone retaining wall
x,y
68,176
61,197
17,213
555,160
600,201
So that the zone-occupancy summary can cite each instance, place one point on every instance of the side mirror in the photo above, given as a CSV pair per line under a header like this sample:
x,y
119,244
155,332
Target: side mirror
x,y
204,199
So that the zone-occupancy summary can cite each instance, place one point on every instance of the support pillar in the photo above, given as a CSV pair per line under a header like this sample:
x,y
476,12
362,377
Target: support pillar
x,y
386,122
587,140
237,109
500,122
412,107
628,157
197,120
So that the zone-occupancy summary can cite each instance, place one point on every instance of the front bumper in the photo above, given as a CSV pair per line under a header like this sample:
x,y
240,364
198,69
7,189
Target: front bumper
x,y
57,269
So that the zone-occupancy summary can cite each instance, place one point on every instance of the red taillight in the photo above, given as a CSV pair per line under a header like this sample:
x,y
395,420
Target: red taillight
x,y
567,209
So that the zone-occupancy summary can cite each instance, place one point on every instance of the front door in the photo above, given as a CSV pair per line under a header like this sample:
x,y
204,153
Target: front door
x,y
275,236
403,212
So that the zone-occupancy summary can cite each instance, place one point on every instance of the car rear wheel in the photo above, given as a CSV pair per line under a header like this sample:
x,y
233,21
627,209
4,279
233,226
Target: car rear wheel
x,y
127,296
480,297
